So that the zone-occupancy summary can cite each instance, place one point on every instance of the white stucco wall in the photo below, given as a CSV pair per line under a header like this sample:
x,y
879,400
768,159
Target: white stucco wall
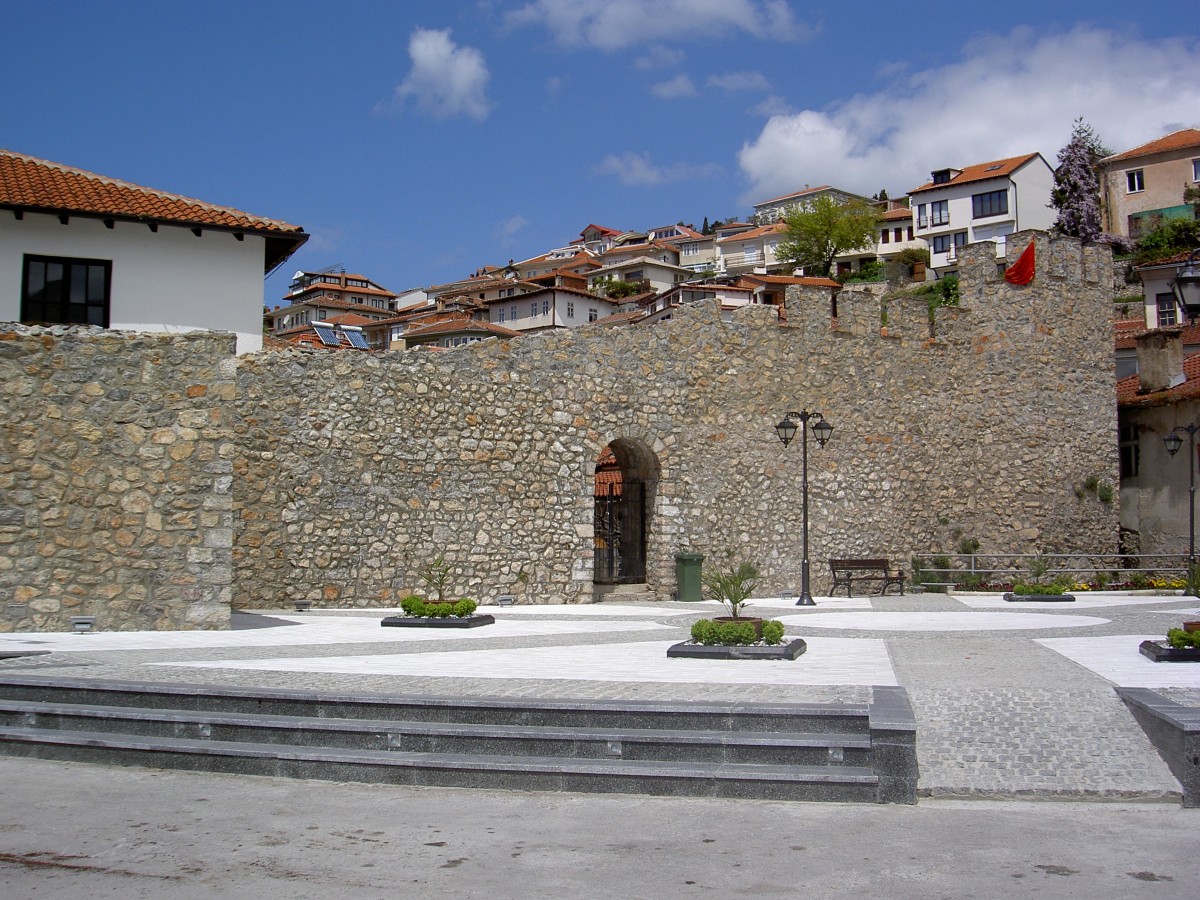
x,y
165,281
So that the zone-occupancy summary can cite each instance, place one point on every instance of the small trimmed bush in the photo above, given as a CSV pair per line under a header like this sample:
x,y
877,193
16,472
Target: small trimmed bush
x,y
1179,639
734,634
418,606
772,631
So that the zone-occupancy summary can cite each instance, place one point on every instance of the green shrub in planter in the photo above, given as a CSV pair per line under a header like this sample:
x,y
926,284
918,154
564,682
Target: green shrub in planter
x,y
734,634
772,632
412,605
417,606
1182,640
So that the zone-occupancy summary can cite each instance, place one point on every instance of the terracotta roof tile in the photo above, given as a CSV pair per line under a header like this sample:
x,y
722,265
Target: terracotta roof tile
x,y
823,187
761,231
1127,388
30,183
997,168
1176,140
897,215
459,326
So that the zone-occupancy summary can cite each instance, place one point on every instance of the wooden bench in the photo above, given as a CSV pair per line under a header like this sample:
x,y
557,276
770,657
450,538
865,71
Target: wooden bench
x,y
847,571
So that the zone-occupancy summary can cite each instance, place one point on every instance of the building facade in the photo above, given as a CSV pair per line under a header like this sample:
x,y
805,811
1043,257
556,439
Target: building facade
x,y
82,248
983,202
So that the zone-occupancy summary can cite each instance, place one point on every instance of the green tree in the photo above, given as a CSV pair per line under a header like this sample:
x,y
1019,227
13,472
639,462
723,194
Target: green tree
x,y
818,233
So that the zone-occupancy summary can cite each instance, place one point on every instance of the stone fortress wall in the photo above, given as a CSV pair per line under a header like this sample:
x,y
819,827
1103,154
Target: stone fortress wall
x,y
116,496
352,471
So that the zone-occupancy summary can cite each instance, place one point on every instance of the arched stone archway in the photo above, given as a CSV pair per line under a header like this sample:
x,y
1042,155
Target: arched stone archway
x,y
626,481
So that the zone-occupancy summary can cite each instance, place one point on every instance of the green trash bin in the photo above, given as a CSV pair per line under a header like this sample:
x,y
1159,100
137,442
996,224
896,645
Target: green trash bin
x,y
687,575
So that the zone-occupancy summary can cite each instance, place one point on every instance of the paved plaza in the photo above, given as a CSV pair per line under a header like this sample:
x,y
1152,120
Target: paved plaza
x,y
1014,702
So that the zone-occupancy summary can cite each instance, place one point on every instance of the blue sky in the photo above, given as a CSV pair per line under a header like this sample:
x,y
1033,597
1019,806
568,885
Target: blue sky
x,y
417,141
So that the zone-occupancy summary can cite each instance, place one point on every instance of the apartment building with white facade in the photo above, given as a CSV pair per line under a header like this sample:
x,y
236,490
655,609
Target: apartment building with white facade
x,y
982,202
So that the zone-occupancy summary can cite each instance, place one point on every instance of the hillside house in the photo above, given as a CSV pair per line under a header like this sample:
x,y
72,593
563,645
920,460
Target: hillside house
x,y
983,202
81,248
1145,185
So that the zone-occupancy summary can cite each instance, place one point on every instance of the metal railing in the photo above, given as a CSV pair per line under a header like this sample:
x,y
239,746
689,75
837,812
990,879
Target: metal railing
x,y
999,567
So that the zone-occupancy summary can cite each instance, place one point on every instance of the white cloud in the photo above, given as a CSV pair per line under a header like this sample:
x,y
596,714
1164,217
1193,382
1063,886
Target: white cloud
x,y
1009,94
510,228
679,86
446,80
658,57
615,24
637,169
774,105
740,81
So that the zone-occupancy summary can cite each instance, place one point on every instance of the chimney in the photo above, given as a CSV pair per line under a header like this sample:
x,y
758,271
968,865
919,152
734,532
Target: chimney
x,y
1160,360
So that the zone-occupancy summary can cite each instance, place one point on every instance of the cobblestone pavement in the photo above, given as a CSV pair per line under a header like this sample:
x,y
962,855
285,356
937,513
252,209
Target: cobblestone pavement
x,y
999,714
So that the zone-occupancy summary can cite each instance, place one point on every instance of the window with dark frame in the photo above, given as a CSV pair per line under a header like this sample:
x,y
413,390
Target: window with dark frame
x,y
1127,440
992,203
939,212
58,290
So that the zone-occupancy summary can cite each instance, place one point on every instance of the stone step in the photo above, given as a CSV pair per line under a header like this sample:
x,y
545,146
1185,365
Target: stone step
x,y
656,777
768,750
784,748
846,718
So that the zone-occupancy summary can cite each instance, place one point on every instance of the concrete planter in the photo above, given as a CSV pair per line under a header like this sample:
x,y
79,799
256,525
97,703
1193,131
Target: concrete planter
x,y
1159,651
431,622
1038,598
686,650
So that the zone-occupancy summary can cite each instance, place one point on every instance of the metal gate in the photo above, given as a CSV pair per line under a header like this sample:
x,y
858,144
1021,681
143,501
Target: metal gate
x,y
620,533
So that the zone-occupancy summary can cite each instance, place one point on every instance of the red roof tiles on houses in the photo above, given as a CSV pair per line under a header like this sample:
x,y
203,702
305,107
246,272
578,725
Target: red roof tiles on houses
x,y
39,185
761,231
823,187
997,168
1127,388
1176,140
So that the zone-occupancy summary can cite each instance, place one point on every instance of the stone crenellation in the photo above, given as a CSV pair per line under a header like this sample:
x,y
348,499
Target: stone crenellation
x,y
349,472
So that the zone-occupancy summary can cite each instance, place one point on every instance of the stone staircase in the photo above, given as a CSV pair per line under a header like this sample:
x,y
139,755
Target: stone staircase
x,y
842,752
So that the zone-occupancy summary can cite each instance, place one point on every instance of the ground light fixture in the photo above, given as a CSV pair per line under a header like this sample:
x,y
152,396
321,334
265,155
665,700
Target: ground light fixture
x,y
787,429
1173,441
82,624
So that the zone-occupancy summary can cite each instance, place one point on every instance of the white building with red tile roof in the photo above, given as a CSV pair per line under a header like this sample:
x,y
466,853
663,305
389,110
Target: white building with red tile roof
x,y
983,202
82,248
776,208
1144,185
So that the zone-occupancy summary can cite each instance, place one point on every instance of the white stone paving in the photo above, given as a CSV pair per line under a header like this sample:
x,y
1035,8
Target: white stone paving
x,y
308,629
940,621
776,603
1083,600
1117,659
828,661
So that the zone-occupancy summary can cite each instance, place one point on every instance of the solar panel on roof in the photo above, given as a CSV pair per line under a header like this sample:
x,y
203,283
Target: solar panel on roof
x,y
356,339
327,336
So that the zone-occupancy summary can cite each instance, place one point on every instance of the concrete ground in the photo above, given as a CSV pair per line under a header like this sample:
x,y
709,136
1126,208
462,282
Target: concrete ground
x,y
71,830
1013,702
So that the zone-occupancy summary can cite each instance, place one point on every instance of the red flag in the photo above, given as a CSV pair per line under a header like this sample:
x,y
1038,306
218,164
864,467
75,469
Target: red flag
x,y
1021,272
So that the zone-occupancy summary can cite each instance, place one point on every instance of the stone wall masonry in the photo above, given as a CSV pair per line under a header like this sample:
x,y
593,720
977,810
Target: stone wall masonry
x,y
352,471
115,479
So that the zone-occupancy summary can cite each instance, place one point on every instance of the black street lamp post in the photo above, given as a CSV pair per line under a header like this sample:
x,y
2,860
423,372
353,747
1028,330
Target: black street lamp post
x,y
1174,441
786,430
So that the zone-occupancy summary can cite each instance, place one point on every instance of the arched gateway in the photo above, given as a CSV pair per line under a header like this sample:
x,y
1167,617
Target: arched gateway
x,y
625,483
